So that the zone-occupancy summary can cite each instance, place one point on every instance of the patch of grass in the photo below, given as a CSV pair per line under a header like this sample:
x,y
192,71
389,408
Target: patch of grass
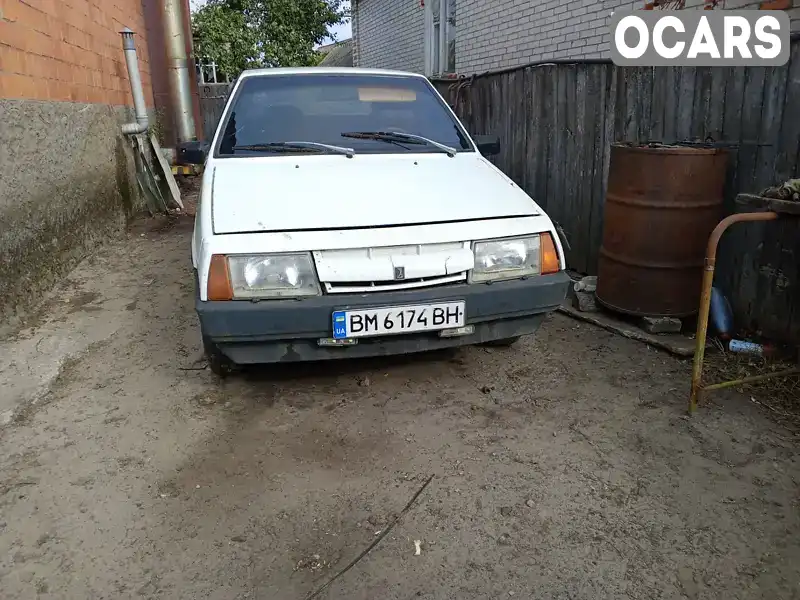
x,y
779,395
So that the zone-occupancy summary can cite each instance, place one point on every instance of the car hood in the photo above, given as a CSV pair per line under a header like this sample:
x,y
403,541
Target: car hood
x,y
333,192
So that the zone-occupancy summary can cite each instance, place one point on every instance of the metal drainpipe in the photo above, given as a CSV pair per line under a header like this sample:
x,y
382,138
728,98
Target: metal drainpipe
x,y
140,108
178,64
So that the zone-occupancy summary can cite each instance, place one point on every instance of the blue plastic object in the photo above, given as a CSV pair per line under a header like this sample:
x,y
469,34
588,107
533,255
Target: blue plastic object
x,y
721,314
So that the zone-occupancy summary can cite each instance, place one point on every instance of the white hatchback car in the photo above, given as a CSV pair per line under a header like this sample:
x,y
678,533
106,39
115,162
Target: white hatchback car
x,y
348,213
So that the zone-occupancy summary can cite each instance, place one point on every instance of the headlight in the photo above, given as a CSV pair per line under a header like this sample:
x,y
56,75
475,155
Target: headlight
x,y
273,275
507,259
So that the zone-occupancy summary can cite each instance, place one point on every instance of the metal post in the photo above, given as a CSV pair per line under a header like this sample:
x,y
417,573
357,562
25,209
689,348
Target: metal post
x,y
702,331
178,65
705,297
137,92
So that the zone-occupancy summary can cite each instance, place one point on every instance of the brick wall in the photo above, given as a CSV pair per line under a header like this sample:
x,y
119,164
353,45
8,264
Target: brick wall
x,y
67,177
495,34
390,34
529,30
794,11
525,31
70,50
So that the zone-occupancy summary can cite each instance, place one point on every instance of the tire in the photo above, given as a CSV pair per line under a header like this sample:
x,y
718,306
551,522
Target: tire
x,y
506,343
219,364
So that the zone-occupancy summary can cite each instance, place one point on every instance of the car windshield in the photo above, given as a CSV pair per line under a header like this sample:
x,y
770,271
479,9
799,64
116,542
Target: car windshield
x,y
329,109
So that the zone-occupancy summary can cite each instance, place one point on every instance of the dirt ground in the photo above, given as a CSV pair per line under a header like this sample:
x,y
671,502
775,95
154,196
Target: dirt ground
x,y
564,468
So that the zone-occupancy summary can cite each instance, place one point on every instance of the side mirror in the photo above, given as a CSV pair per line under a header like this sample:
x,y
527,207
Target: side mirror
x,y
488,145
192,153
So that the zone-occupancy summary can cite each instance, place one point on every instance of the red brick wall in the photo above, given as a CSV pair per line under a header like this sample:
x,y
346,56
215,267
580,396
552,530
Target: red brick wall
x,y
70,50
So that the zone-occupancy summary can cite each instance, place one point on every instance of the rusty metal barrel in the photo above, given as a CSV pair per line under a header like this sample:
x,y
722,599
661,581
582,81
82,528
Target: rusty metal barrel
x,y
662,204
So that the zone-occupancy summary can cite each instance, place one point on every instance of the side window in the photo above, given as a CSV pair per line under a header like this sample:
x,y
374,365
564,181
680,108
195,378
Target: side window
x,y
440,37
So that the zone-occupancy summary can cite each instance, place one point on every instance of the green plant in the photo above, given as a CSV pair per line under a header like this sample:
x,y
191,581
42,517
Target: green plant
x,y
242,34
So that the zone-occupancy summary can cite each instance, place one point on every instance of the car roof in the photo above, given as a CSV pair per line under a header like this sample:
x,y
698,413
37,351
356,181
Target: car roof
x,y
327,71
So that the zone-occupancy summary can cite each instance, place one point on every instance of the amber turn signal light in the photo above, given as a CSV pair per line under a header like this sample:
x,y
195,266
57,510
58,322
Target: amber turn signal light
x,y
219,279
549,254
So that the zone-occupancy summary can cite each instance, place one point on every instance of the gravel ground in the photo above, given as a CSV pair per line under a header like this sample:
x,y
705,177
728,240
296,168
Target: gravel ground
x,y
562,468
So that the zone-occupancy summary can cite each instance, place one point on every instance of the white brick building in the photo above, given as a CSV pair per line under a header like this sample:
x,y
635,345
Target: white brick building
x,y
473,36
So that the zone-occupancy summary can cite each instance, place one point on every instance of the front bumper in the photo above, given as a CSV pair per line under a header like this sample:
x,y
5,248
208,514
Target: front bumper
x,y
270,331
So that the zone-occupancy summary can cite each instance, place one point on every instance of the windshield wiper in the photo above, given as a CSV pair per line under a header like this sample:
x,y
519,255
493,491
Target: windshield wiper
x,y
296,147
394,136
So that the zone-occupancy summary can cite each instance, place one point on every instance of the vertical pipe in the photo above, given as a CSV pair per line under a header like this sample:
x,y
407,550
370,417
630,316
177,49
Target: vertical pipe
x,y
137,91
702,333
178,68
705,297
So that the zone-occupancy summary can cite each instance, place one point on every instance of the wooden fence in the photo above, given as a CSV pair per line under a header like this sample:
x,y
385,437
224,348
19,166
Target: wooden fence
x,y
212,102
557,121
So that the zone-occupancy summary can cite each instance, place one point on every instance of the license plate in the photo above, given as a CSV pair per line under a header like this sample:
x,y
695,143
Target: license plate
x,y
395,320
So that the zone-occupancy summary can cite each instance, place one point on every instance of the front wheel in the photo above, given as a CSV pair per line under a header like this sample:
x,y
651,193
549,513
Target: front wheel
x,y
506,343
219,364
